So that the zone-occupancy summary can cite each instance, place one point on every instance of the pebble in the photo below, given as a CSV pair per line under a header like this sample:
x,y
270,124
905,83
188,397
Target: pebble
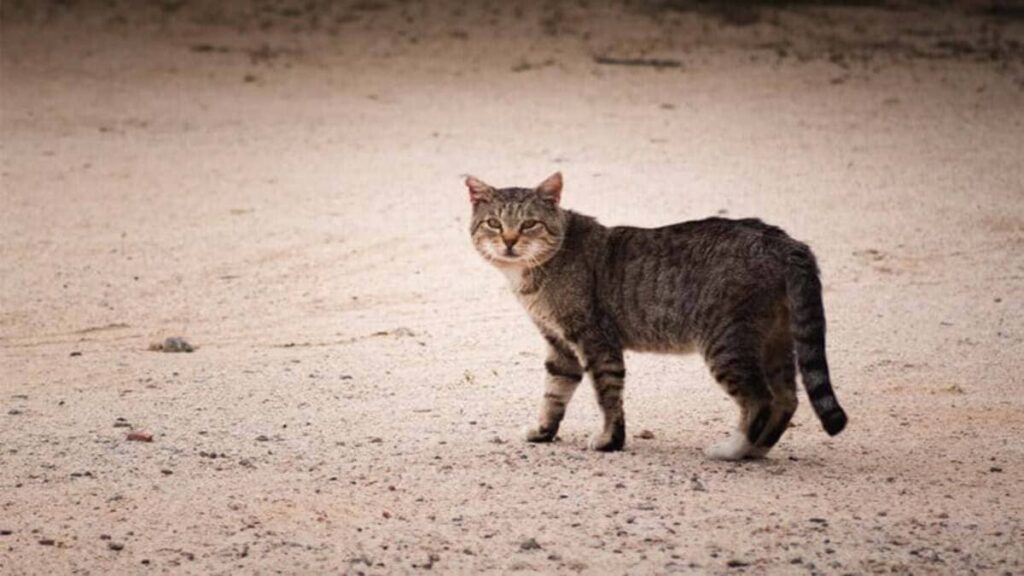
x,y
529,544
172,344
736,563
5,532
697,485
646,435
115,546
47,542
139,437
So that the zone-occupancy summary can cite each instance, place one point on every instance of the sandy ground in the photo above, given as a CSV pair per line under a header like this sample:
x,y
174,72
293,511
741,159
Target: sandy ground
x,y
282,187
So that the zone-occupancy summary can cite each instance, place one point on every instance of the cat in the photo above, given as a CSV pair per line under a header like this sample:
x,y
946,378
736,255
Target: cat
x,y
741,292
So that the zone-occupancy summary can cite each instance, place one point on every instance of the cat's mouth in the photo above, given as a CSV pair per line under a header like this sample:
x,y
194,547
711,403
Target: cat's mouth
x,y
509,256
506,258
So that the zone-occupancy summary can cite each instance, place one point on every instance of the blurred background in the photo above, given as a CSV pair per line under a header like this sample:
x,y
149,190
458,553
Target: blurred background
x,y
280,183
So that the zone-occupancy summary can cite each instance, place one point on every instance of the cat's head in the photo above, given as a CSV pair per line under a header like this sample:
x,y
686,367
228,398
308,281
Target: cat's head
x,y
519,227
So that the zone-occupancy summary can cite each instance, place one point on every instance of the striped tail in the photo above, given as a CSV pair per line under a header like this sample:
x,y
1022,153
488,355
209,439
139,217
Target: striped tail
x,y
807,321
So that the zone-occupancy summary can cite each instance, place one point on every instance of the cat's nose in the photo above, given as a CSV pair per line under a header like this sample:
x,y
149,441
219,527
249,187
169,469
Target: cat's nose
x,y
510,240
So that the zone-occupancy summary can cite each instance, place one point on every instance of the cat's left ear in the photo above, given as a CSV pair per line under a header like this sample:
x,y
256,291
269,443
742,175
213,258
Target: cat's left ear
x,y
479,191
551,189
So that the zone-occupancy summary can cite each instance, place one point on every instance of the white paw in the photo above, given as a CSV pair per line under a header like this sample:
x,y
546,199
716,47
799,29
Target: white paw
x,y
534,434
737,447
529,433
597,440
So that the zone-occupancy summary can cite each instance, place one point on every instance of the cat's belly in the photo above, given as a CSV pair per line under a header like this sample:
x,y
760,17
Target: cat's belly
x,y
684,347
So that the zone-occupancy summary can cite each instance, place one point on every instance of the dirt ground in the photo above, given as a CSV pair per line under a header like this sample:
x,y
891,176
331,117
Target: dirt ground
x,y
280,184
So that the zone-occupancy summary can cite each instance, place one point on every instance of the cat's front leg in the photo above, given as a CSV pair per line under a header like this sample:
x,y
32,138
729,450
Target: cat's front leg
x,y
608,373
564,374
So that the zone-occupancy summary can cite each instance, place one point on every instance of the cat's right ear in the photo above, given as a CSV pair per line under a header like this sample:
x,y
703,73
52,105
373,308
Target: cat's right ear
x,y
479,191
551,189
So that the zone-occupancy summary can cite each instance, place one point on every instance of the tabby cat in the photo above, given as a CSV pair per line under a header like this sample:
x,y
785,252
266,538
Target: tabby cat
x,y
743,293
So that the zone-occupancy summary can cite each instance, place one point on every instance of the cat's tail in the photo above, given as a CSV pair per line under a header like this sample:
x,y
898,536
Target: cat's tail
x,y
807,322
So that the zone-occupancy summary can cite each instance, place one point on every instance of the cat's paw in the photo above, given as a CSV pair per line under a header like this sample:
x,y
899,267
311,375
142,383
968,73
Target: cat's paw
x,y
736,447
538,434
608,441
758,452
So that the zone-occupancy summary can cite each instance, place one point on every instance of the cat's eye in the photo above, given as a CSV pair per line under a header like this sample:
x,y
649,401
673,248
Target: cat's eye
x,y
493,223
528,224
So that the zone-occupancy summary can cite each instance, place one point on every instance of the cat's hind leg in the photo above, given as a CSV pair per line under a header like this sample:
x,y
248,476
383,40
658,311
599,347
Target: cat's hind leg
x,y
738,370
780,371
564,374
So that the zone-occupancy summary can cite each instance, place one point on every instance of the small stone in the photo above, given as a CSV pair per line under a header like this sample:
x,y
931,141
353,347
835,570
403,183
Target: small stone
x,y
167,472
995,469
115,546
697,485
529,544
139,436
75,354
819,520
646,435
5,532
172,344
736,563
14,411
262,438
47,542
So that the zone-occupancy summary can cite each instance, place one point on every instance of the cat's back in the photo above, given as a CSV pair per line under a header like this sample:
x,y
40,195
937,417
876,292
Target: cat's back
x,y
698,241
664,285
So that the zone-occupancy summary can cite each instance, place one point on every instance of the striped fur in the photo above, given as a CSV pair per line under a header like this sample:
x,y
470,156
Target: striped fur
x,y
743,293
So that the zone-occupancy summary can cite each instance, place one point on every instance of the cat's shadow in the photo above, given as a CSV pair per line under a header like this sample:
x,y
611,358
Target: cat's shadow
x,y
664,453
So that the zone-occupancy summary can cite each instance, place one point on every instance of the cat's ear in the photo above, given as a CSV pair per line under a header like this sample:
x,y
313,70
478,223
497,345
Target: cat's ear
x,y
479,191
551,189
